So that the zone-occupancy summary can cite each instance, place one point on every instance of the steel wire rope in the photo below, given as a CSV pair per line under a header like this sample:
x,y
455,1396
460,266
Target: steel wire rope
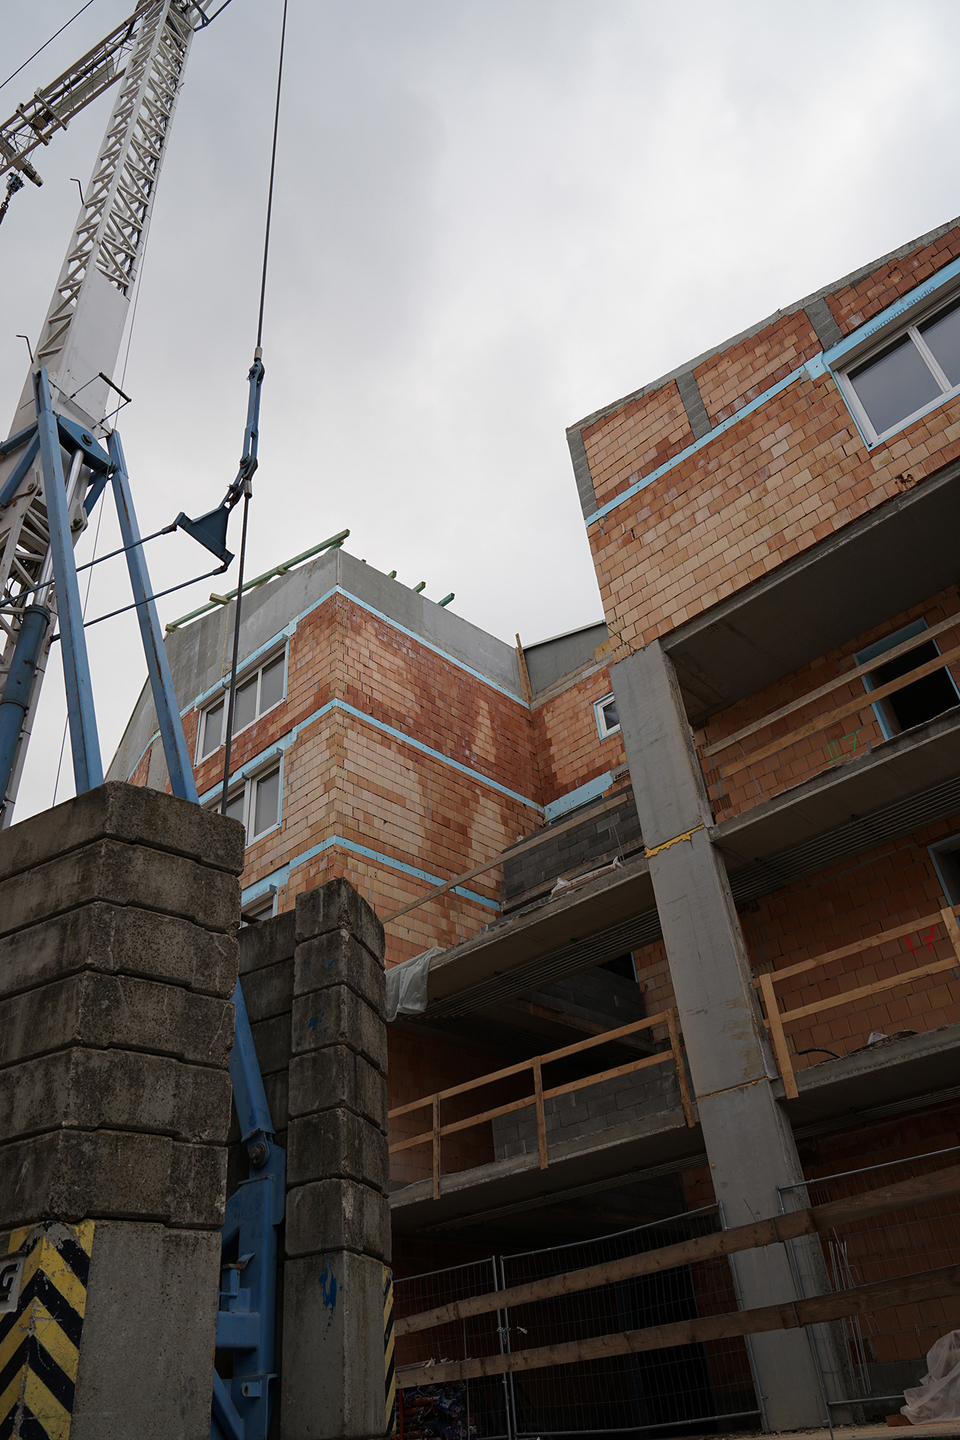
x,y
247,488
46,43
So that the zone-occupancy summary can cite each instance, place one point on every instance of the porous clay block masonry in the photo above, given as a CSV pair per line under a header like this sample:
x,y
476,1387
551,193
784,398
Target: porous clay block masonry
x,y
773,530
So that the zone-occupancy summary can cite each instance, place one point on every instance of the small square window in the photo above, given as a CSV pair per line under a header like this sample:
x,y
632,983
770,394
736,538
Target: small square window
x,y
608,721
256,694
255,802
912,369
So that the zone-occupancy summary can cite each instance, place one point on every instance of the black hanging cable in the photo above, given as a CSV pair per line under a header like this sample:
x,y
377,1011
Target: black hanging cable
x,y
248,476
47,42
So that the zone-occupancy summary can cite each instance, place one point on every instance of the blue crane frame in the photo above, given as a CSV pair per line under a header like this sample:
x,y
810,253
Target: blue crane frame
x,y
246,1312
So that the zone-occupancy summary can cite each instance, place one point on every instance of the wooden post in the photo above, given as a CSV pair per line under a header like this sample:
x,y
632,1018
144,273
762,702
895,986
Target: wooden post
x,y
780,1047
681,1067
541,1118
436,1147
525,687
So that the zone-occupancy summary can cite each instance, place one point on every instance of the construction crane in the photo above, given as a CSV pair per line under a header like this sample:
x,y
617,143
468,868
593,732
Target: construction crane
x,y
56,463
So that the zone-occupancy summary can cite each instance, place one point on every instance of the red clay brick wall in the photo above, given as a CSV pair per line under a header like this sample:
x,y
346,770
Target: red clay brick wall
x,y
792,764
879,890
567,741
775,483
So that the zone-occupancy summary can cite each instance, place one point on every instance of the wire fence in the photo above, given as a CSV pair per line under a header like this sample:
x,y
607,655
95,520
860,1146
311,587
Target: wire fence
x,y
885,1350
456,1410
661,1390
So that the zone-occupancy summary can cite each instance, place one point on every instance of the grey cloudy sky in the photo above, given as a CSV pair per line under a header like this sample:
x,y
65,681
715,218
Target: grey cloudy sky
x,y
492,217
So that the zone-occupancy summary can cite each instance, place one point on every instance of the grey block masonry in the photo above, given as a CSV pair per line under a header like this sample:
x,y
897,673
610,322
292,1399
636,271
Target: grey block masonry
x,y
118,958
338,1218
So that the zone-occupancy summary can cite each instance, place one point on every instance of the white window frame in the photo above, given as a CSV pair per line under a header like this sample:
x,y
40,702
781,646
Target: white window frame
x,y
263,908
604,730
223,696
248,787
878,344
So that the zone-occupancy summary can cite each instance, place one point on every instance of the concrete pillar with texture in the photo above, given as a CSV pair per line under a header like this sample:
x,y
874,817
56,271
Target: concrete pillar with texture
x,y
118,958
336,1278
748,1138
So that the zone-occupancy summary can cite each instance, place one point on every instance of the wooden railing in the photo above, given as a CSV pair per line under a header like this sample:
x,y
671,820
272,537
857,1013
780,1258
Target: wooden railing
x,y
435,1135
822,721
777,1017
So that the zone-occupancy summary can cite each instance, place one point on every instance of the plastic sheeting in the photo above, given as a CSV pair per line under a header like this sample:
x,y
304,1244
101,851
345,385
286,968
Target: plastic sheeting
x,y
937,1397
407,985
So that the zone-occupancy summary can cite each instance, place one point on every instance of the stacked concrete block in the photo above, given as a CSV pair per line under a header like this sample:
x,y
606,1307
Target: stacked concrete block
x,y
338,1219
118,958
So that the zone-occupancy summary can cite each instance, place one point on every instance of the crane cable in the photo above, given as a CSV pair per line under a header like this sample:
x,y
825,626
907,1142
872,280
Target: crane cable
x,y
247,476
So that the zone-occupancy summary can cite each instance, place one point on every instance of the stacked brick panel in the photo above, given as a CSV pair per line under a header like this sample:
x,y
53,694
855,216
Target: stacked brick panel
x,y
777,481
568,743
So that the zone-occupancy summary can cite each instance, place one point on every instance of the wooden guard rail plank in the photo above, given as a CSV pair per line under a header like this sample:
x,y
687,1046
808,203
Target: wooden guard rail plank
x,y
820,722
951,623
776,1017
757,1234
933,1285
435,1135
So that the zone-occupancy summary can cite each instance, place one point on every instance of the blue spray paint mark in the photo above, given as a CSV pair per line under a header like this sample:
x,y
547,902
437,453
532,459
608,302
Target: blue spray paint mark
x,y
328,1287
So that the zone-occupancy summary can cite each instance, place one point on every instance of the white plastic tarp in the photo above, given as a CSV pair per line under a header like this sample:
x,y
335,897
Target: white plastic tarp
x,y
407,985
937,1397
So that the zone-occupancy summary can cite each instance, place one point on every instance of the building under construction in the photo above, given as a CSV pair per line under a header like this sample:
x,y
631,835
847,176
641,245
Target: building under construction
x,y
672,895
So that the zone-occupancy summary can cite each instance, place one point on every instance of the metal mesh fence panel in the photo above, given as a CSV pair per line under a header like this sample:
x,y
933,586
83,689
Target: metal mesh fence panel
x,y
657,1390
886,1349
455,1410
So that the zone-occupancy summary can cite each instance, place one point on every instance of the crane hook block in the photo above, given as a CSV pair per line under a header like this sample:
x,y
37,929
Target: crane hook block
x,y
209,530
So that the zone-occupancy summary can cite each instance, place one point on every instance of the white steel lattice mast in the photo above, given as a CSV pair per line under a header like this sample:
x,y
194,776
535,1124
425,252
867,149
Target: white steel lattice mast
x,y
81,337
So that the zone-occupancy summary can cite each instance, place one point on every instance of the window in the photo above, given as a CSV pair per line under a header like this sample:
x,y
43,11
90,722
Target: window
x,y
608,721
915,703
259,910
255,802
946,861
907,375
256,694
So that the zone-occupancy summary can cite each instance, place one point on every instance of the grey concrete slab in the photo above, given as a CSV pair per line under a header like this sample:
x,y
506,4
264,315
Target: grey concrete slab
x,y
113,939
337,1078
146,1352
268,942
339,959
127,813
874,568
334,907
338,1017
337,1215
337,1144
123,875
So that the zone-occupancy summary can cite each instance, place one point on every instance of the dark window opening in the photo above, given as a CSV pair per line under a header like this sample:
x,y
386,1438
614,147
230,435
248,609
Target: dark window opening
x,y
621,965
925,698
946,861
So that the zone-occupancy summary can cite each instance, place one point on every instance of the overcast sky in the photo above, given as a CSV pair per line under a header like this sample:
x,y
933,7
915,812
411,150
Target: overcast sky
x,y
492,218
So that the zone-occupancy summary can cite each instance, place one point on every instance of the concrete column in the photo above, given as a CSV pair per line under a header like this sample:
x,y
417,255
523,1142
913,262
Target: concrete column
x,y
748,1138
333,1381
118,957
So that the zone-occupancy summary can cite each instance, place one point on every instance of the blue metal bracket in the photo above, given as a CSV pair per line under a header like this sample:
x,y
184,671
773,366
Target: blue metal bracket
x,y
182,781
84,741
12,483
246,1319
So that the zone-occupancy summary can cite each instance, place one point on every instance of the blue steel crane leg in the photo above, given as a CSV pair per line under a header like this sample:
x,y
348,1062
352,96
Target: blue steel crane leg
x,y
182,781
84,741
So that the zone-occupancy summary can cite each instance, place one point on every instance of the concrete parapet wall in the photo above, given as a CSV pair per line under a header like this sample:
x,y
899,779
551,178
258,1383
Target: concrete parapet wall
x,y
118,958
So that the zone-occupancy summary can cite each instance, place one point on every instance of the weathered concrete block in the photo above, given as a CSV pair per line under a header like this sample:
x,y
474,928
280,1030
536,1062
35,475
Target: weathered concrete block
x,y
337,1144
269,990
337,1215
117,1090
332,1365
123,875
268,942
337,1078
337,958
128,813
146,1350
337,906
116,1010
271,1040
338,1017
114,1174
113,939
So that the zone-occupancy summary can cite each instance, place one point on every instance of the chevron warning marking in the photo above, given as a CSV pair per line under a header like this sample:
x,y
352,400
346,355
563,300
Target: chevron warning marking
x,y
40,1338
389,1371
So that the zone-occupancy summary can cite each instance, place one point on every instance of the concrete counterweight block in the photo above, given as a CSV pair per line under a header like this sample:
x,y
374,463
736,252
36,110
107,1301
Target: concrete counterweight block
x,y
118,958
333,1377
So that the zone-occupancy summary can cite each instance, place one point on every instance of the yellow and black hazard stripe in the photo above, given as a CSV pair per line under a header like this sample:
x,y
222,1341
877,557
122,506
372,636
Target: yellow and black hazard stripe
x,y
40,1338
389,1370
